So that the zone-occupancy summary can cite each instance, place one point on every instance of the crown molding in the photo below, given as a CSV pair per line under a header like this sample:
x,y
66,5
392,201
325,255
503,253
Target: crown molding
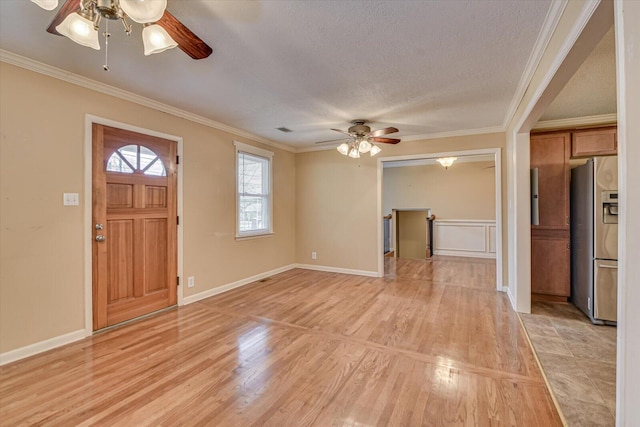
x,y
548,27
451,134
574,122
60,74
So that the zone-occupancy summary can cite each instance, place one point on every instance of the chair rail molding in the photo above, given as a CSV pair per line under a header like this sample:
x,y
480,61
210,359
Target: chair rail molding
x,y
467,238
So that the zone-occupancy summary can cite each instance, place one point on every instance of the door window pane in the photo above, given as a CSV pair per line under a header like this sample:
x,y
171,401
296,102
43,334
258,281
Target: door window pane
x,y
136,158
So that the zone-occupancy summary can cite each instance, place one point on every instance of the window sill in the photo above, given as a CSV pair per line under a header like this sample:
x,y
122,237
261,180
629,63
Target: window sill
x,y
255,236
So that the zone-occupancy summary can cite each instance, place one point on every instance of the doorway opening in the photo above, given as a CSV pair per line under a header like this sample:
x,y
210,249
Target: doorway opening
x,y
416,209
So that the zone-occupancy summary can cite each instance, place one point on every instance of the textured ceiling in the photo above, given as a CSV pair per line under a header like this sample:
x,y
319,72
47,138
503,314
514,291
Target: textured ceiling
x,y
422,66
592,89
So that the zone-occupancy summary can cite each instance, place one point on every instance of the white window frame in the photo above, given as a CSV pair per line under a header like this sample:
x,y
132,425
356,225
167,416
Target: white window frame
x,y
250,149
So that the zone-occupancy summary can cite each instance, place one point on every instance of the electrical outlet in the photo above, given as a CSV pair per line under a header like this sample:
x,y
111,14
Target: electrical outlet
x,y
191,281
314,255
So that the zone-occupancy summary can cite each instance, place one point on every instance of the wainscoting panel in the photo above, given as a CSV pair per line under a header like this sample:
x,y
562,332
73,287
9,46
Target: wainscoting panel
x,y
468,238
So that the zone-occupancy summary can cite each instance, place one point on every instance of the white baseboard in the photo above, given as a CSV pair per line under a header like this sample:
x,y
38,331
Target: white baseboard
x,y
229,286
42,346
466,254
338,270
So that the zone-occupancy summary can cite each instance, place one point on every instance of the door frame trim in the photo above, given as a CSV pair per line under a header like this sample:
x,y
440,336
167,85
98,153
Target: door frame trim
x,y
89,120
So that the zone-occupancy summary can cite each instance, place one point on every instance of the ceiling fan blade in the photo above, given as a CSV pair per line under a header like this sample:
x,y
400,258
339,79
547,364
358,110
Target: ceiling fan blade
x,y
330,140
386,140
67,8
384,131
190,44
342,131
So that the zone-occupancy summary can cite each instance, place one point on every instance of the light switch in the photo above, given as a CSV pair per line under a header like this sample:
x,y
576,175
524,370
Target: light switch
x,y
71,199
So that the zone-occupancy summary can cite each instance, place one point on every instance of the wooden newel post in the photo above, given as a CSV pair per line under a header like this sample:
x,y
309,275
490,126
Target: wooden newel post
x,y
430,220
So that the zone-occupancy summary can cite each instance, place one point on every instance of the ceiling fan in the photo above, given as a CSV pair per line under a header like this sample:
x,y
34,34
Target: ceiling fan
x,y
363,138
80,20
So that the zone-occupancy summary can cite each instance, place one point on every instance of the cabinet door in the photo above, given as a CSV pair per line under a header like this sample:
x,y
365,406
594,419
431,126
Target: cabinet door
x,y
550,265
594,142
550,155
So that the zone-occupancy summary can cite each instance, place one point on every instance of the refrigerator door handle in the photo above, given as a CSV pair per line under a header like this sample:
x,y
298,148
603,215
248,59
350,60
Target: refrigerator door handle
x,y
613,267
535,200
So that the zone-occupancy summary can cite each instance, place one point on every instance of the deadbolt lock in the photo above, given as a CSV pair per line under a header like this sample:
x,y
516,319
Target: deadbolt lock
x,y
99,227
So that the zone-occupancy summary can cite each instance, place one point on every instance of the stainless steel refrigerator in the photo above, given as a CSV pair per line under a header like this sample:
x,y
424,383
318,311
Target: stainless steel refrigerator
x,y
594,239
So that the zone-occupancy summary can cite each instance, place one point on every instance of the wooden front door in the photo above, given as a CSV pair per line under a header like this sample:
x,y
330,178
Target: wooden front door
x,y
134,225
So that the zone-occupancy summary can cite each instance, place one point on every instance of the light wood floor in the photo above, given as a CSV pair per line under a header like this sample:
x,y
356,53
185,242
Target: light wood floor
x,y
432,343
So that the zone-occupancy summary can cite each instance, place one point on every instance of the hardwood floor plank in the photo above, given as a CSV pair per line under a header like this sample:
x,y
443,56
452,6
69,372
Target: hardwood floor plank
x,y
301,348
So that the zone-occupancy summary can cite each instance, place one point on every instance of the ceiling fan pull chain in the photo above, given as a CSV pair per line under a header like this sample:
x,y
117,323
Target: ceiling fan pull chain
x,y
106,46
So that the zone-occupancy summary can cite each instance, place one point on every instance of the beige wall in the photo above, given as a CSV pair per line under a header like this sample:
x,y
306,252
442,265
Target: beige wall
x,y
336,200
412,234
41,250
464,191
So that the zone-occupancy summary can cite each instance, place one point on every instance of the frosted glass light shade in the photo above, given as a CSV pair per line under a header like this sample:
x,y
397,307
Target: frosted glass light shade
x,y
156,39
354,153
46,4
144,11
80,30
446,162
374,150
343,148
364,146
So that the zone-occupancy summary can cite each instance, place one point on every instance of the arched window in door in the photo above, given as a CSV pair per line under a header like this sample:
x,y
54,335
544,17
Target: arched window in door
x,y
136,158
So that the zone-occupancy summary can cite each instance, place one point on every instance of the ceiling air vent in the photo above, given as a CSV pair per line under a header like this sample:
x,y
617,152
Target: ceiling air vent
x,y
284,129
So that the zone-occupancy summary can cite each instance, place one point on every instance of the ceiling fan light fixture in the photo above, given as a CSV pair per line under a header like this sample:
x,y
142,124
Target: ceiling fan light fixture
x,y
144,11
79,28
354,153
343,148
156,39
364,146
446,162
374,150
46,4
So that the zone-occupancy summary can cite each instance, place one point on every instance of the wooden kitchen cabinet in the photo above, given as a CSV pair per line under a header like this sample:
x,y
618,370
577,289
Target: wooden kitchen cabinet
x,y
550,265
550,155
550,255
550,252
594,142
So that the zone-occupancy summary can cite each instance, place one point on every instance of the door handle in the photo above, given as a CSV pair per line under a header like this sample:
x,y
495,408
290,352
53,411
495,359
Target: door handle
x,y
100,238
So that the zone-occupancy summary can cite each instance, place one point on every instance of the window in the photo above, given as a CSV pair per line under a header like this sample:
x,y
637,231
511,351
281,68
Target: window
x,y
254,198
132,158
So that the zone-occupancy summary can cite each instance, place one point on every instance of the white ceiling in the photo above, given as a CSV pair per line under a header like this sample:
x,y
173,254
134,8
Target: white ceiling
x,y
423,66
592,89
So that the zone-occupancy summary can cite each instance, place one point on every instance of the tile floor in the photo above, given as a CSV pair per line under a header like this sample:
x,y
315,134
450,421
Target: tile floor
x,y
579,360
